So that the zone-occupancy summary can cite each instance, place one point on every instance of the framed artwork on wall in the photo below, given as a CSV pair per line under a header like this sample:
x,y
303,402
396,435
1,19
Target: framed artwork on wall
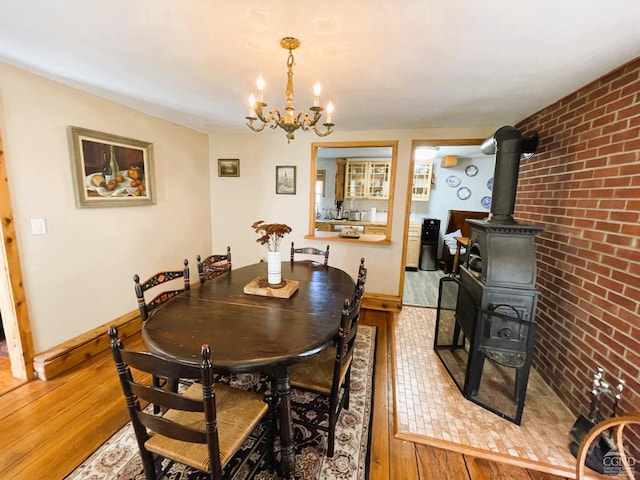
x,y
228,167
110,170
286,180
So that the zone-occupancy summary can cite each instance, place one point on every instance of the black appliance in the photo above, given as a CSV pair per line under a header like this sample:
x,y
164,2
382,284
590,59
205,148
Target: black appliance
x,y
429,235
496,293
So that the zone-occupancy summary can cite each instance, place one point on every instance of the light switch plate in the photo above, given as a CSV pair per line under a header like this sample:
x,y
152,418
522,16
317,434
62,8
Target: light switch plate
x,y
38,226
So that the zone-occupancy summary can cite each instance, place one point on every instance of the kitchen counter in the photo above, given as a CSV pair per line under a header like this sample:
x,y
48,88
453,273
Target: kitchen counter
x,y
351,222
364,238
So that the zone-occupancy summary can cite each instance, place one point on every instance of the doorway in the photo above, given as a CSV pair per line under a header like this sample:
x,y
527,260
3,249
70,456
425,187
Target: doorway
x,y
459,178
13,305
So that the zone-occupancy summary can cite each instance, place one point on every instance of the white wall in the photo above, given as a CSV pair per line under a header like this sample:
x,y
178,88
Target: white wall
x,y
79,275
238,202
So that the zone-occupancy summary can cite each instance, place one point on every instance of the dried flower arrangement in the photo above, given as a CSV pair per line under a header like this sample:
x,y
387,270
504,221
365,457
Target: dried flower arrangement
x,y
271,233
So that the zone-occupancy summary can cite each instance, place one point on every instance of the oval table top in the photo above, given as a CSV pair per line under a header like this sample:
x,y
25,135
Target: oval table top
x,y
251,332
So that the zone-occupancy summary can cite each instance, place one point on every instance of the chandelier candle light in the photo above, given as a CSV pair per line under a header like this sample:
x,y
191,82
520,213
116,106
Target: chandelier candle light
x,y
271,235
290,121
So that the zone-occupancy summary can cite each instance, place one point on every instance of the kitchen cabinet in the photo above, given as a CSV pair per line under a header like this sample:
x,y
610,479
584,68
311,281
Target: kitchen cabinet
x,y
355,182
421,186
375,229
367,179
412,258
324,226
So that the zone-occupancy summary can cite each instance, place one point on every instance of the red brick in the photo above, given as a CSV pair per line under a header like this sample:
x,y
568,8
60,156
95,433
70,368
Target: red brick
x,y
632,145
618,126
631,111
608,99
619,104
627,134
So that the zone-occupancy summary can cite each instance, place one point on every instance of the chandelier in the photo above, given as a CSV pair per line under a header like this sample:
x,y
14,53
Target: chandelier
x,y
290,121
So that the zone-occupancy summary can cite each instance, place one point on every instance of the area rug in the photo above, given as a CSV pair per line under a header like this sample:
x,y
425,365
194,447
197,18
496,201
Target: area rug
x,y
431,410
118,458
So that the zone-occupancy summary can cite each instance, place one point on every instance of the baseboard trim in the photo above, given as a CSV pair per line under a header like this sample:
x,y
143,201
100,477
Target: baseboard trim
x,y
59,359
378,301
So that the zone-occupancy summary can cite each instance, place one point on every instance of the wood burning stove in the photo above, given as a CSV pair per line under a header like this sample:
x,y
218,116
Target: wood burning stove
x,y
494,316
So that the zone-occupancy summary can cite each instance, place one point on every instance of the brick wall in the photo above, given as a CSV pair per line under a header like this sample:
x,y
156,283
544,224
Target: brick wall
x,y
583,186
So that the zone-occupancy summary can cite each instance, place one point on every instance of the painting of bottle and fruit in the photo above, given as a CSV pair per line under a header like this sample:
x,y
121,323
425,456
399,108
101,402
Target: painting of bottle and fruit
x,y
114,171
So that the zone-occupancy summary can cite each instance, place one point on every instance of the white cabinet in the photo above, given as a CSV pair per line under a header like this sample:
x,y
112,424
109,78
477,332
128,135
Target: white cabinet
x,y
367,179
421,186
355,180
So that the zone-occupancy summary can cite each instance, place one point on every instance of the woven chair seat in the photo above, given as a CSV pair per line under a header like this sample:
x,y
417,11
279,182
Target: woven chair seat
x,y
316,373
238,413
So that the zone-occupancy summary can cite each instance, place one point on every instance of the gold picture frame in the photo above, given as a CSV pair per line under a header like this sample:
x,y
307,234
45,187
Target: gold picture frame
x,y
94,156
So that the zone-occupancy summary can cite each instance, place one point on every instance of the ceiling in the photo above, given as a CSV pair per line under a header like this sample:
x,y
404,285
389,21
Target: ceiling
x,y
385,65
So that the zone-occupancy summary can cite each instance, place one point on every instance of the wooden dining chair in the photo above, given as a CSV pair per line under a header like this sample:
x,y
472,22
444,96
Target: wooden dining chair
x,y
202,426
310,251
213,265
329,372
612,461
160,296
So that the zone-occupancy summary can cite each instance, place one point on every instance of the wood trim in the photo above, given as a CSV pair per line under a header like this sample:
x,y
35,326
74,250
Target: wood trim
x,y
15,314
487,455
378,301
59,359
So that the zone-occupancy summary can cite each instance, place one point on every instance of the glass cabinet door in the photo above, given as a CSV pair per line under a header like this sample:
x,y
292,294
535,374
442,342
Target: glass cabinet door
x,y
378,185
421,189
355,180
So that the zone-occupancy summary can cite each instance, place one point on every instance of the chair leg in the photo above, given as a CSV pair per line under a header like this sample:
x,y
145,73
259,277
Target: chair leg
x,y
331,434
148,465
347,388
156,384
271,435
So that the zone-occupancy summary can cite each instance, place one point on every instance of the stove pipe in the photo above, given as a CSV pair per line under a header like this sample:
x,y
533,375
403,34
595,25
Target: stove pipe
x,y
508,144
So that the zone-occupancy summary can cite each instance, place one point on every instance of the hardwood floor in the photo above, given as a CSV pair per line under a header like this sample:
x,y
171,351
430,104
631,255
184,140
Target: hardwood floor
x,y
48,428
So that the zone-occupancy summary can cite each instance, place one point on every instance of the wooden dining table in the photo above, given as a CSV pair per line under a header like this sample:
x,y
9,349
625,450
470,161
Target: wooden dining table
x,y
254,333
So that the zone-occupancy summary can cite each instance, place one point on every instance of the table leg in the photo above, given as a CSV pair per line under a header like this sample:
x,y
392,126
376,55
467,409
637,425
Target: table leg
x,y
282,388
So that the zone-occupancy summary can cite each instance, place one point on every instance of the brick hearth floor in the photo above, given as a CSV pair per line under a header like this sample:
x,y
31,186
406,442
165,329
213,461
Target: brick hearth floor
x,y
430,408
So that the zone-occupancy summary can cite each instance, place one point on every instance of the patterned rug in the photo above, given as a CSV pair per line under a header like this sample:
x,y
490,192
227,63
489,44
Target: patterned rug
x,y
118,459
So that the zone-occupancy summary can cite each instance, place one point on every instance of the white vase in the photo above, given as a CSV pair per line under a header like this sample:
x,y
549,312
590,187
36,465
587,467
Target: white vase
x,y
274,268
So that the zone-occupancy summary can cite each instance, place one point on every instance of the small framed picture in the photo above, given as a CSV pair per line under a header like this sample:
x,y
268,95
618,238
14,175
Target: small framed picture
x,y
228,167
110,170
286,180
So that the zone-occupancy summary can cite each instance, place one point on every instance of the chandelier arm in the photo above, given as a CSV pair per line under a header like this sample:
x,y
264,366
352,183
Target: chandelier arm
x,y
250,124
258,109
328,130
303,120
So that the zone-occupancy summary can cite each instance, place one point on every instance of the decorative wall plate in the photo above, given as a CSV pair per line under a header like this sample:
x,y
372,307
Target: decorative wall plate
x,y
471,171
464,193
485,202
453,180
490,183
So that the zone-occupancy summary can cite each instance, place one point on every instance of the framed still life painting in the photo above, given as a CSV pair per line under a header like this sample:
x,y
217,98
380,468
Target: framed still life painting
x,y
111,171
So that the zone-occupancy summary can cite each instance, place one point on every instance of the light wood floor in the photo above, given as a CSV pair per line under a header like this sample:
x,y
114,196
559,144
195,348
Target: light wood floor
x,y
48,428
